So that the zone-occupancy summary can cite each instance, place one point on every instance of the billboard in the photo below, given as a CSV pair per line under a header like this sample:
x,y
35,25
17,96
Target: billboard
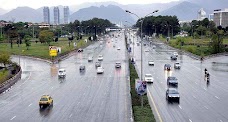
x,y
140,87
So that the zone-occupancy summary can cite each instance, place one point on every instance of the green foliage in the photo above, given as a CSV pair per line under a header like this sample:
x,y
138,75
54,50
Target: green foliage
x,y
5,58
27,41
46,36
141,114
3,75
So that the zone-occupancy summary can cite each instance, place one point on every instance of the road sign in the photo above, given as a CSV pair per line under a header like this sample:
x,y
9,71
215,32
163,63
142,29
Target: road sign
x,y
53,50
140,87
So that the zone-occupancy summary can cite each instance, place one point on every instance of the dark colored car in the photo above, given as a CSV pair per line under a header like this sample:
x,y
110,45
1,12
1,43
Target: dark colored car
x,y
97,64
173,57
167,67
172,95
172,81
81,68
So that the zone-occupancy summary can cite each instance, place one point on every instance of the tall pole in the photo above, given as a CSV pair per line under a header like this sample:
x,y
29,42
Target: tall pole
x,y
1,31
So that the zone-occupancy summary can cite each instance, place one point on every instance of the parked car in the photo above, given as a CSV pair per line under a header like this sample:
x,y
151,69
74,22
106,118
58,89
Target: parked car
x,y
171,80
173,57
118,65
80,50
97,64
45,100
172,94
148,78
167,67
100,70
100,58
151,63
118,48
177,65
62,73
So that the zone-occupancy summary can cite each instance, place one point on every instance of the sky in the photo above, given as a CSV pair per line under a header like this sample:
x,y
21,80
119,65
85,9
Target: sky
x,y
11,4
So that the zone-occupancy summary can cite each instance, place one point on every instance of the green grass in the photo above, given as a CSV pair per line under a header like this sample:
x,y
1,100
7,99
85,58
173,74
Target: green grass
x,y
3,76
141,114
40,50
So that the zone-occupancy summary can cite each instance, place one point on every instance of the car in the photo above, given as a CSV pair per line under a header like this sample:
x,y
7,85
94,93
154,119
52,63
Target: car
x,y
172,94
153,46
146,50
167,67
114,45
97,64
118,65
45,100
80,50
100,70
151,63
173,57
177,65
171,80
175,54
100,58
90,59
82,67
148,78
118,48
62,73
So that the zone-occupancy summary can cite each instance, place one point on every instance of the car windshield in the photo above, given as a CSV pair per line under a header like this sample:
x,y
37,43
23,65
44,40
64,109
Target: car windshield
x,y
173,91
44,99
177,63
148,75
60,71
172,78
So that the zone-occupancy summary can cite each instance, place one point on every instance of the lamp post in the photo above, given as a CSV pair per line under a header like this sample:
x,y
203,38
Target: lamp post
x,y
142,19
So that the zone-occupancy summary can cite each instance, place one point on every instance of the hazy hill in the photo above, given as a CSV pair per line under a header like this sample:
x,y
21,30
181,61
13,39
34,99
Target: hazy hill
x,y
113,13
2,11
24,14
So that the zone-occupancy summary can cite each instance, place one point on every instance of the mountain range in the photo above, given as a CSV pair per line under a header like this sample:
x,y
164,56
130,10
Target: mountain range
x,y
115,12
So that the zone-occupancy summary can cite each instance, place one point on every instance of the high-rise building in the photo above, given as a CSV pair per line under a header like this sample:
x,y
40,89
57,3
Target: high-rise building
x,y
46,15
66,14
221,18
56,16
201,14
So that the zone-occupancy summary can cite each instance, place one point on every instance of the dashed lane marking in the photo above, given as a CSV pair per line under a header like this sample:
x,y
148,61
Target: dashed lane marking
x,y
180,107
70,115
217,97
13,118
190,120
30,105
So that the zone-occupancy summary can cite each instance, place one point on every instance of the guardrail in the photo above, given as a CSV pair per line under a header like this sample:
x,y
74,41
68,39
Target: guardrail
x,y
7,84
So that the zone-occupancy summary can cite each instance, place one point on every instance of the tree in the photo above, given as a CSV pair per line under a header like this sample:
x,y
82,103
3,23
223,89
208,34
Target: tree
x,y
217,42
27,41
5,58
46,36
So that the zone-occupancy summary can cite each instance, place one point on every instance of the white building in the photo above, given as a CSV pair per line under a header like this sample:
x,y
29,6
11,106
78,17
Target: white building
x,y
201,14
221,17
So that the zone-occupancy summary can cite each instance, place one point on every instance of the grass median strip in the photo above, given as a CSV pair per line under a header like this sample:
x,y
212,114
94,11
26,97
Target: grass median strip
x,y
141,114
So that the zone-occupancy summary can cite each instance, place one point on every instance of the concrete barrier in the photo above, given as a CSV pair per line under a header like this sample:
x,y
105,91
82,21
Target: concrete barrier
x,y
7,84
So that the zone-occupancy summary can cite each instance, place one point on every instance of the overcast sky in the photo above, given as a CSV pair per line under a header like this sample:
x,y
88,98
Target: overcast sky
x,y
11,4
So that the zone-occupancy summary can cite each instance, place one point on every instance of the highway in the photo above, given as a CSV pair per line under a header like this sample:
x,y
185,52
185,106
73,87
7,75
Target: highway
x,y
199,101
81,97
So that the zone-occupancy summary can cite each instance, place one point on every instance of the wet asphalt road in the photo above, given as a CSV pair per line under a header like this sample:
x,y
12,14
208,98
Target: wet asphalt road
x,y
199,101
81,97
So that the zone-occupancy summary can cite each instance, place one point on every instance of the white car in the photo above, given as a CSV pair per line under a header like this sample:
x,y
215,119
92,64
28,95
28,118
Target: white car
x,y
118,48
118,65
175,54
151,63
100,70
177,65
62,73
148,78
146,50
100,58
90,59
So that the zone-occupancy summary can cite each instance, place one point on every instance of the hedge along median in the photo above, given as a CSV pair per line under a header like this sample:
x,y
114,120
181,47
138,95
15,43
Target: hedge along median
x,y
141,114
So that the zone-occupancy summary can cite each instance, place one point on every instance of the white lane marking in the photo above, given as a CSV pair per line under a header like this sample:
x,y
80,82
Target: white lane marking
x,y
190,120
13,118
52,87
30,105
180,107
205,89
27,78
217,97
221,121
206,107
70,116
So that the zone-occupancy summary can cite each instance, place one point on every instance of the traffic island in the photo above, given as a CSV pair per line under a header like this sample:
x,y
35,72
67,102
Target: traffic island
x,y
141,114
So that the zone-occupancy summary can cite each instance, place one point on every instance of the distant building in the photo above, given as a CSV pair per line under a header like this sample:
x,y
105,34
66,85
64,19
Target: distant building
x,y
211,17
201,14
56,16
66,14
46,15
221,18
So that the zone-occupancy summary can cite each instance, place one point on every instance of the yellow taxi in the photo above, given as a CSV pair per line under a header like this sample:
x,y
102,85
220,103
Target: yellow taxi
x,y
45,100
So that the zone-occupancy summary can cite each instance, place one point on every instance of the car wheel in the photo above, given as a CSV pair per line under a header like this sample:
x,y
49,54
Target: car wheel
x,y
40,106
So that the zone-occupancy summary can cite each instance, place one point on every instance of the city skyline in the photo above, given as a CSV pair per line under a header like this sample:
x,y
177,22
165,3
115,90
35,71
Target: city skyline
x,y
12,4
